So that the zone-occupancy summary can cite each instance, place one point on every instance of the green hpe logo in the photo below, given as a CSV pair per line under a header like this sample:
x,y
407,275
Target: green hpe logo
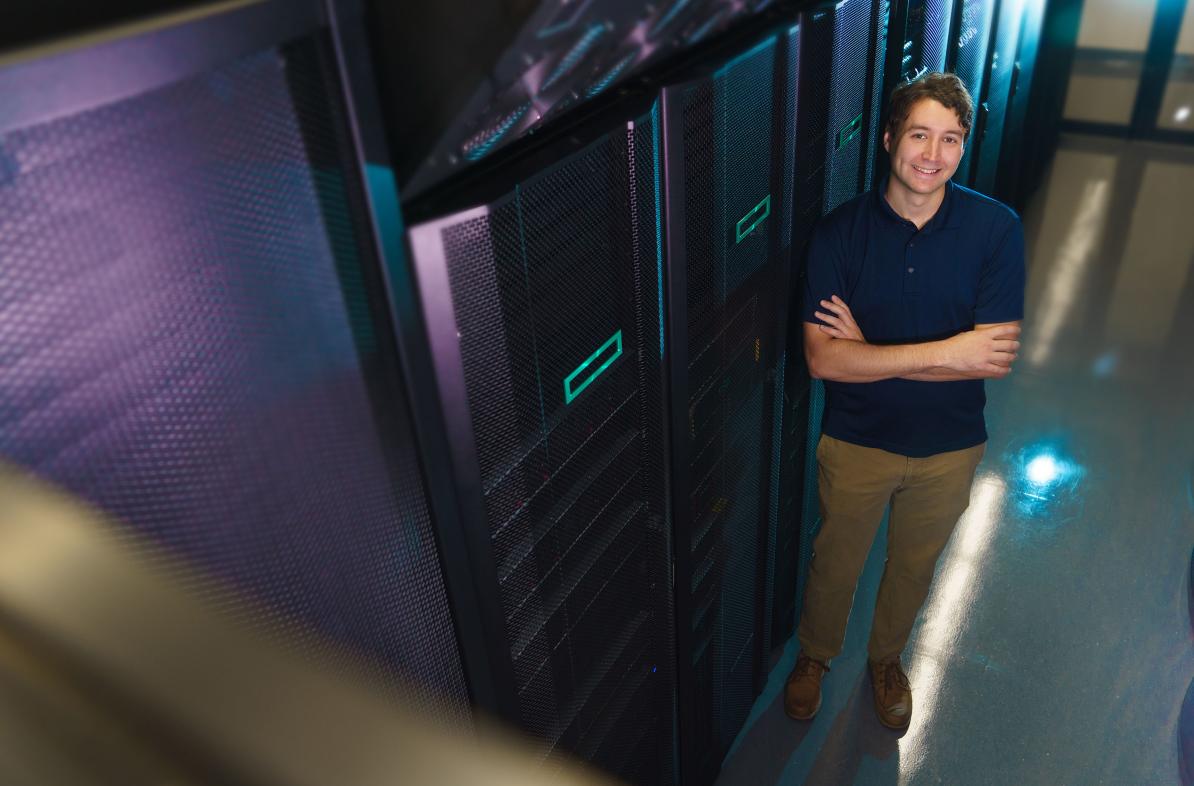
x,y
614,343
752,219
849,131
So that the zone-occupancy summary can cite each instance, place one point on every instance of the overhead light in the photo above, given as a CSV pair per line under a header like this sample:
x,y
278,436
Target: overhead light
x,y
1182,114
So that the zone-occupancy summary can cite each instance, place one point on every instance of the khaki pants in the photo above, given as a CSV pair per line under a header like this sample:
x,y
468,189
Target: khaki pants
x,y
927,496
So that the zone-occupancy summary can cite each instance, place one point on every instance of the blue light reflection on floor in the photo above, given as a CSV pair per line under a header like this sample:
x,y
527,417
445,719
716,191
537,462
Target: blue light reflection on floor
x,y
1040,473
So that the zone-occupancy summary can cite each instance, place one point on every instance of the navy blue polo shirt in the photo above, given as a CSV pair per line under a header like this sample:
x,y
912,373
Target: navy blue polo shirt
x,y
964,267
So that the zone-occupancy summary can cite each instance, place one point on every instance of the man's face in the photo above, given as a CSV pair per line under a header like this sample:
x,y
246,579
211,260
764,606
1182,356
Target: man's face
x,y
929,147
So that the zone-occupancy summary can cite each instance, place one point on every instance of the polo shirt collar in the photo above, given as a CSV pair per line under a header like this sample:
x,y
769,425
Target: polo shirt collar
x,y
942,219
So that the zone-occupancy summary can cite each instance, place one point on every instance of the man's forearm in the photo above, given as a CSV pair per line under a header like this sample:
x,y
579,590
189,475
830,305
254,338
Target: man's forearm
x,y
842,360
948,375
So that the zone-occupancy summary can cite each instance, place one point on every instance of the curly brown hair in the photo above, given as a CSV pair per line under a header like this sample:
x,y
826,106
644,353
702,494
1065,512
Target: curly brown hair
x,y
944,88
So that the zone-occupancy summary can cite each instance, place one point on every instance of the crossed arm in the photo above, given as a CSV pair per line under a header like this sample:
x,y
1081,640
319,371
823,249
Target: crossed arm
x,y
838,351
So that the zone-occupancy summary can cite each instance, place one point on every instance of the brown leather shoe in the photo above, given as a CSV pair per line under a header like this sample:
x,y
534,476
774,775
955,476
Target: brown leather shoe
x,y
802,693
893,694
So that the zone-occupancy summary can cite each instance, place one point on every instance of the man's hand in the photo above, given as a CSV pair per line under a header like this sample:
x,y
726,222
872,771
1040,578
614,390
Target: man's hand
x,y
988,351
840,322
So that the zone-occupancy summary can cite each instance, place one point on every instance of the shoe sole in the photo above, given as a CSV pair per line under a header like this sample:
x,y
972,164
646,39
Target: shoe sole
x,y
804,717
899,725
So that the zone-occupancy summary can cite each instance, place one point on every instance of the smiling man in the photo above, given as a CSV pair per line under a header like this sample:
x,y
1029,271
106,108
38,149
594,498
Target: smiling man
x,y
913,298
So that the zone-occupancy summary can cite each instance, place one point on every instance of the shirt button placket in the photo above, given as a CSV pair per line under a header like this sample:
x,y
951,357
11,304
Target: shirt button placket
x,y
910,280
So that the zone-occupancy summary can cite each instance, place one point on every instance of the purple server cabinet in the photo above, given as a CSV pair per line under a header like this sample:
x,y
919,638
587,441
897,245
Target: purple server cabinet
x,y
195,331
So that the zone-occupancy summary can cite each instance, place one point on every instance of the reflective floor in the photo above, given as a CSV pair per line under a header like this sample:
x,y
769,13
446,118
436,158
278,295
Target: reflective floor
x,y
1056,645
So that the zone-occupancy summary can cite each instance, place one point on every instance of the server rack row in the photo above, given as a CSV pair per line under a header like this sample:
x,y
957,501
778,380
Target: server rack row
x,y
549,456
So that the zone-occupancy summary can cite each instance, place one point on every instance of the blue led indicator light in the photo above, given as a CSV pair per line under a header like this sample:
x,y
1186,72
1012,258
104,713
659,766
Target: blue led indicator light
x,y
757,215
570,393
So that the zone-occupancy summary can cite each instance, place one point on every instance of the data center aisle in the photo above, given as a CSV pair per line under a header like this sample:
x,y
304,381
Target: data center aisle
x,y
1056,645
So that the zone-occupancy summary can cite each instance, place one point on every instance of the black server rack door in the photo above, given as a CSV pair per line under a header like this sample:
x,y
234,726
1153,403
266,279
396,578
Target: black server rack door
x,y
969,60
926,39
729,178
555,295
781,557
846,32
830,115
918,42
189,343
1008,180
880,22
1001,74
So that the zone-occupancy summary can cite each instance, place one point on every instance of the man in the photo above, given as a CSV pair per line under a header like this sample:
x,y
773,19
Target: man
x,y
914,296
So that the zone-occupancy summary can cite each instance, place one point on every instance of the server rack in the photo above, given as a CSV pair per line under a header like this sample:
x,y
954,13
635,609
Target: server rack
x,y
831,167
1007,182
920,39
728,182
197,331
968,59
918,43
1001,73
876,157
543,309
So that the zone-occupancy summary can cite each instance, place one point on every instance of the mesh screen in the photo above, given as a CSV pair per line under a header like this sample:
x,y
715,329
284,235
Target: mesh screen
x,y
926,37
970,60
556,299
788,470
185,342
729,156
773,508
874,109
791,91
835,56
814,148
934,34
779,594
850,60
810,516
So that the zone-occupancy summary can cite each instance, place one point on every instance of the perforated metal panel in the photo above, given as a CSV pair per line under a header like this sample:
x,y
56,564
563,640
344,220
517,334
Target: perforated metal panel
x,y
970,64
734,170
926,37
781,565
848,61
874,107
185,341
555,296
831,131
